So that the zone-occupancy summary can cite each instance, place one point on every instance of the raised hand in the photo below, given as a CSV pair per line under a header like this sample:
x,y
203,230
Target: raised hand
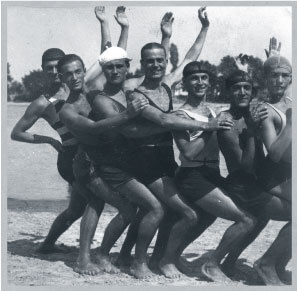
x,y
274,50
166,24
241,62
100,13
121,16
202,15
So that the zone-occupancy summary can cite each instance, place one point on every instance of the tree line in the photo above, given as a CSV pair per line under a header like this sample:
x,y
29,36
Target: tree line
x,y
34,83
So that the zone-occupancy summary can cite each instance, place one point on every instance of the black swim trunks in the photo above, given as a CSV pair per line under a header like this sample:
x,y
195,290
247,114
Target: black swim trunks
x,y
150,163
245,191
64,162
195,182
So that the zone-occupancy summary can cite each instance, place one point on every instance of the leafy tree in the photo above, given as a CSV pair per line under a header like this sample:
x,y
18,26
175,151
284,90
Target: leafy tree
x,y
14,88
35,84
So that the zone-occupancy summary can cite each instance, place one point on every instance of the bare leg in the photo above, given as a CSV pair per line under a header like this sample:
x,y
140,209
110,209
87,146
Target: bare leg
x,y
229,262
140,195
167,192
63,221
164,230
87,230
217,203
276,209
125,258
117,225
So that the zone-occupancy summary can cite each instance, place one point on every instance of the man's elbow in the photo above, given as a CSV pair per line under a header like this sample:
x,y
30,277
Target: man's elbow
x,y
14,135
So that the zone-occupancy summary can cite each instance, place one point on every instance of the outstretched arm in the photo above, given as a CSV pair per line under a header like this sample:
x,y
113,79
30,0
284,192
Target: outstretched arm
x,y
166,29
122,20
74,121
194,51
34,111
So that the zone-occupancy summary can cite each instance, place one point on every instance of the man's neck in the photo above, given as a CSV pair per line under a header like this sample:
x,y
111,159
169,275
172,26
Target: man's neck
x,y
53,88
275,98
238,112
195,101
74,96
112,89
151,84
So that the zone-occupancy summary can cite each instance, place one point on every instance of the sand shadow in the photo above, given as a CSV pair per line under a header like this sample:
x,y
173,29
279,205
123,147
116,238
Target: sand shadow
x,y
29,248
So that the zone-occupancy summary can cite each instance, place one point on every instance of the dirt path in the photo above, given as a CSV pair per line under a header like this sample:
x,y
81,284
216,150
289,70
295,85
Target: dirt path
x,y
29,221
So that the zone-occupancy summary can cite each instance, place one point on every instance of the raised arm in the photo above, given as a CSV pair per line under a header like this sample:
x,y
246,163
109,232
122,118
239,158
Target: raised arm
x,y
194,51
166,30
122,20
34,111
94,77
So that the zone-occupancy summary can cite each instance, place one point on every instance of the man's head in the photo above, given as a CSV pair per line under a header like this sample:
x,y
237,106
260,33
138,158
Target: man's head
x,y
278,75
196,79
71,69
115,65
240,87
49,63
153,61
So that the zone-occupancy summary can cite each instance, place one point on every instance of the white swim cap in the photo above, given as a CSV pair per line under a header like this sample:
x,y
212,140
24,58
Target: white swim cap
x,y
111,54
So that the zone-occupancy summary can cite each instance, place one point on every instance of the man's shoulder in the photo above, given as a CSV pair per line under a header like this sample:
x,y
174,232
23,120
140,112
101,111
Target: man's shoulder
x,y
132,83
40,104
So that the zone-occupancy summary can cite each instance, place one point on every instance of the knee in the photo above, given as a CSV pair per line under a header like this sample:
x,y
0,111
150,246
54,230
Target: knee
x,y
249,222
129,214
158,211
191,218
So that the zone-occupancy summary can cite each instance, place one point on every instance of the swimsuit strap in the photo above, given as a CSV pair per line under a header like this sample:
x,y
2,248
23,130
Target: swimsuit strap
x,y
281,115
169,94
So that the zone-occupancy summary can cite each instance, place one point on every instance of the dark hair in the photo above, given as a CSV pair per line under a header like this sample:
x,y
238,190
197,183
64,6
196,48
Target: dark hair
x,y
151,45
236,77
52,54
195,67
69,59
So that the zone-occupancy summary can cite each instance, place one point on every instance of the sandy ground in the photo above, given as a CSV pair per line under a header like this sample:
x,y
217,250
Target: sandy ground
x,y
28,224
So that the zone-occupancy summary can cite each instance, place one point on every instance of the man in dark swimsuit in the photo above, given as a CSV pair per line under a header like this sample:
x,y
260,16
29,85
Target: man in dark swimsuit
x,y
243,152
47,107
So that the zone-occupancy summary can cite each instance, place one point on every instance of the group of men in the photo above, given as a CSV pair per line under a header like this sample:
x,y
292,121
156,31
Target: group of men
x,y
117,148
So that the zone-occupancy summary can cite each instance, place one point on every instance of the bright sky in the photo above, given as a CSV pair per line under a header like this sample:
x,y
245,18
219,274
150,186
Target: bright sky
x,y
233,30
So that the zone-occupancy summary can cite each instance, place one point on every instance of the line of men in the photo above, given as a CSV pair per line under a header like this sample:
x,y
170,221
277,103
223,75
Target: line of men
x,y
117,148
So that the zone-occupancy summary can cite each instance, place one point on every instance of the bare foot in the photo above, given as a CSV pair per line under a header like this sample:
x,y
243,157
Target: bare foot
x,y
105,264
212,271
124,262
140,270
285,276
154,264
267,274
228,268
51,249
87,268
169,270
182,265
